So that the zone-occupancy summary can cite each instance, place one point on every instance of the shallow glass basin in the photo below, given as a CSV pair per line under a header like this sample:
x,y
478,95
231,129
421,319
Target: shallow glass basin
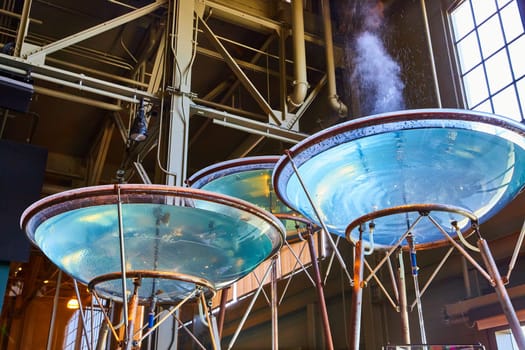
x,y
466,159
174,238
250,179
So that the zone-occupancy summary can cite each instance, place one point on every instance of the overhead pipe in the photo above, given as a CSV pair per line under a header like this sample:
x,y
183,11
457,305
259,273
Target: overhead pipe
x,y
77,99
296,98
22,28
335,102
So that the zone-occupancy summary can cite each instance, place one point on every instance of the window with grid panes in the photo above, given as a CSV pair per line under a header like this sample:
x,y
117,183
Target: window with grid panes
x,y
489,41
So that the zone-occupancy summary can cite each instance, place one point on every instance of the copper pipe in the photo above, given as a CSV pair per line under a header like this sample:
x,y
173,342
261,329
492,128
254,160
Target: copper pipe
x,y
274,302
320,293
222,310
357,296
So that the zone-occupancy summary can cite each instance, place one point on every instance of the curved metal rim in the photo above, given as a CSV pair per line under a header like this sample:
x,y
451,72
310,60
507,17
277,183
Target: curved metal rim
x,y
420,115
126,189
231,166
198,281
410,115
421,208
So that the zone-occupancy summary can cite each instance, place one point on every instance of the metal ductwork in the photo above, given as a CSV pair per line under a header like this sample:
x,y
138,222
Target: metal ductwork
x,y
335,102
296,98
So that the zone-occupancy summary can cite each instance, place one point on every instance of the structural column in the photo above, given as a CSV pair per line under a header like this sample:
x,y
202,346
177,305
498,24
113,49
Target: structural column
x,y
181,43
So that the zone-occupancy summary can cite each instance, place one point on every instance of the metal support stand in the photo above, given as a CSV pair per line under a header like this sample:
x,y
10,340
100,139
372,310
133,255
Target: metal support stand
x,y
357,295
424,210
132,339
81,313
129,341
503,296
413,264
274,306
320,292
222,310
249,309
274,298
211,322
319,217
403,307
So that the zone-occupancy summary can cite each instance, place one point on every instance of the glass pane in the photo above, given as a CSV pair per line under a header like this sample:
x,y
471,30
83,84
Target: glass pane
x,y
516,52
498,71
510,17
468,52
483,9
505,339
490,36
506,104
475,87
484,107
462,21
502,3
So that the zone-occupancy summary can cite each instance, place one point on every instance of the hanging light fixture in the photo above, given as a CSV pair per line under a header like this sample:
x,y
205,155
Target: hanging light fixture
x,y
139,129
73,304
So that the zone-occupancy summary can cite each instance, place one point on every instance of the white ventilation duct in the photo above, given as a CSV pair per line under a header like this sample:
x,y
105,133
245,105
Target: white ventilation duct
x,y
335,103
296,98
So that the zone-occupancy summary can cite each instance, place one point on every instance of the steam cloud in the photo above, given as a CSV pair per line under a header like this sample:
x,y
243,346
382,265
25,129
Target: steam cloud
x,y
375,72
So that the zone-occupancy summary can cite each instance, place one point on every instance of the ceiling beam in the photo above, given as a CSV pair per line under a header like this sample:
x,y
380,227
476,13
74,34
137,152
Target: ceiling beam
x,y
253,140
245,81
93,31
258,23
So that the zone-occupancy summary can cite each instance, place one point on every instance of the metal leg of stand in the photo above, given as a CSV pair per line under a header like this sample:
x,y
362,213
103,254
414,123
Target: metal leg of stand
x,y
249,309
82,318
320,293
222,310
325,230
211,323
413,264
503,296
357,296
130,342
122,258
403,305
274,306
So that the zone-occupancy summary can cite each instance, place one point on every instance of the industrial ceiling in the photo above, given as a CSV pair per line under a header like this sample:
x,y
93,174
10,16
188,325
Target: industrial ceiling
x,y
214,78
91,63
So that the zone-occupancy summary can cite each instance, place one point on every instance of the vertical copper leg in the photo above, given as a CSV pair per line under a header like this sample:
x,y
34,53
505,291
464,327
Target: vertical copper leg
x,y
320,293
357,297
403,308
222,310
274,301
133,304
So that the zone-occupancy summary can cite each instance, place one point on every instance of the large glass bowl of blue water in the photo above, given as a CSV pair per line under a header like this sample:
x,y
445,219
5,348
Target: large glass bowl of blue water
x,y
182,236
250,179
471,160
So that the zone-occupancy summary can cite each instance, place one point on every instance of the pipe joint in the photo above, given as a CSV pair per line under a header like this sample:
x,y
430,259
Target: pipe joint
x,y
296,99
338,106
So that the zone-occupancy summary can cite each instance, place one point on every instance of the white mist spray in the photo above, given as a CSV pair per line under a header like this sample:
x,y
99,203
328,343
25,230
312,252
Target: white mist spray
x,y
375,72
